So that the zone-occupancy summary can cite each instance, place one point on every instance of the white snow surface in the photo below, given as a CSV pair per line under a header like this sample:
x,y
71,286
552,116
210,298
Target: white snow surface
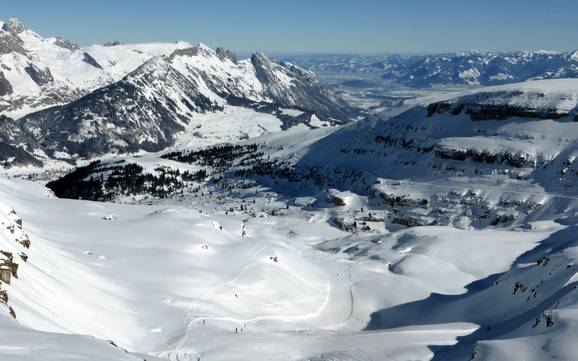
x,y
164,280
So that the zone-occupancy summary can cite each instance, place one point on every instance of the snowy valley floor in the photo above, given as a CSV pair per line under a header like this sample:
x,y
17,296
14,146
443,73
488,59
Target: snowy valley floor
x,y
179,281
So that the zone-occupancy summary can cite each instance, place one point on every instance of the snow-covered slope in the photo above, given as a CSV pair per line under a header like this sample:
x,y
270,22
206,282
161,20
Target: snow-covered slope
x,y
226,278
471,148
521,132
482,68
254,229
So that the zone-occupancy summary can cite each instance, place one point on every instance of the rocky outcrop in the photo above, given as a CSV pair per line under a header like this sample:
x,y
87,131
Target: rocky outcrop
x,y
40,77
14,26
112,43
90,60
150,107
5,86
198,50
13,241
66,44
226,54
478,111
9,43
147,108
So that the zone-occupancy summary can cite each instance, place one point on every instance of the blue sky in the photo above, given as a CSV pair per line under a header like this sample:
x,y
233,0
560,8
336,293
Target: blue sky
x,y
311,26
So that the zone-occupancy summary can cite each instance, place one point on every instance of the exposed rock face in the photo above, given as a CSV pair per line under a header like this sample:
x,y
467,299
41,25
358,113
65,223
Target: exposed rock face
x,y
292,86
142,109
90,60
192,51
549,103
66,44
5,86
27,56
528,139
112,43
493,111
40,77
14,26
226,54
148,108
10,43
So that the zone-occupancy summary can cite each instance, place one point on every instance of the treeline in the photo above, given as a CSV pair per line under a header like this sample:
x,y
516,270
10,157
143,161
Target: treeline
x,y
99,182
220,156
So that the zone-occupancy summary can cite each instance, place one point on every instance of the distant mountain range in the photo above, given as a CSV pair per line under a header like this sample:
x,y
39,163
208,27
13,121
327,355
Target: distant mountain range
x,y
473,68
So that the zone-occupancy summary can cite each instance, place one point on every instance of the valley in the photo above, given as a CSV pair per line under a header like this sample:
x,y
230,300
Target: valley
x,y
169,201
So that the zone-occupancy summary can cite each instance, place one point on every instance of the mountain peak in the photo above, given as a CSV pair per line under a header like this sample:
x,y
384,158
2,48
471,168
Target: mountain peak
x,y
112,43
155,64
260,56
199,50
14,26
204,46
226,54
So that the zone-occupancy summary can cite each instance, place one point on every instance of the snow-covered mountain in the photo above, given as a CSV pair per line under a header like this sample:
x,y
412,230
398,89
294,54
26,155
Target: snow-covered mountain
x,y
216,208
126,98
480,68
472,68
446,232
515,138
39,72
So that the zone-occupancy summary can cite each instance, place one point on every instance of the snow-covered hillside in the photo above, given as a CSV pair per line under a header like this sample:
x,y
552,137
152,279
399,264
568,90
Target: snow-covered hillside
x,y
443,233
519,139
244,276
